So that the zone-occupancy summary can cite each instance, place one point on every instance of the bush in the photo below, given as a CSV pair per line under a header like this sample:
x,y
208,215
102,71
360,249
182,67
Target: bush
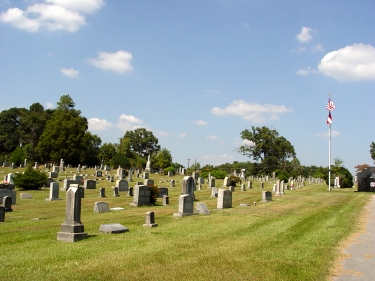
x,y
282,175
154,193
30,180
169,169
234,180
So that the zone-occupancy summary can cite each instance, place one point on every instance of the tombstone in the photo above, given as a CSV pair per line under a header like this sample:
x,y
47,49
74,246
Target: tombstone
x,y
26,196
150,220
72,229
10,178
2,214
273,176
53,191
261,185
170,174
148,182
10,193
213,192
195,175
48,182
224,199
130,172
142,196
101,207
55,169
122,185
7,203
148,164
79,168
211,182
185,205
188,185
113,228
78,179
146,175
98,174
172,183
366,180
226,181
62,167
162,191
106,168
202,209
183,171
165,200
243,173
36,165
200,180
115,191
243,187
130,191
231,188
102,193
266,196
277,188
282,187
68,183
89,184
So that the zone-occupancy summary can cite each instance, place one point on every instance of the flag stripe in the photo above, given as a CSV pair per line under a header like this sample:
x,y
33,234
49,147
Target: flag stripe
x,y
329,119
330,106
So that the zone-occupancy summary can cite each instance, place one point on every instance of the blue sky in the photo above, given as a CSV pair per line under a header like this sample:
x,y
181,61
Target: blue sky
x,y
197,73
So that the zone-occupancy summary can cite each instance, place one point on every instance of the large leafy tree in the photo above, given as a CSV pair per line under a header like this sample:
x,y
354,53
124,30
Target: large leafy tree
x,y
142,142
372,151
162,159
267,147
10,130
107,151
65,135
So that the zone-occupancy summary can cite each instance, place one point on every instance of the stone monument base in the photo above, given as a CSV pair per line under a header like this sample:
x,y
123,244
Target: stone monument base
x,y
184,214
71,237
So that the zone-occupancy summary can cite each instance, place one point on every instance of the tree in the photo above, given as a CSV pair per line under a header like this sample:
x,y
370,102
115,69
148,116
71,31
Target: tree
x,y
90,156
120,160
266,146
65,135
17,157
10,130
338,162
142,142
106,153
372,151
162,159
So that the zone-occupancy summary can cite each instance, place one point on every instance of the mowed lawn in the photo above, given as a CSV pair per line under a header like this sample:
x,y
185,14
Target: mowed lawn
x,y
294,237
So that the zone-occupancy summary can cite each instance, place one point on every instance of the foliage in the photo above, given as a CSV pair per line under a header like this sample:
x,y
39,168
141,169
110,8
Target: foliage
x,y
361,168
10,130
266,146
154,193
90,156
372,151
234,180
282,175
345,177
106,152
120,159
142,142
30,180
338,162
216,173
169,169
162,159
17,157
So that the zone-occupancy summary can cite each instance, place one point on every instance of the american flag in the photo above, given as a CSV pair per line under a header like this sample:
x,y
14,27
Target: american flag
x,y
329,119
330,106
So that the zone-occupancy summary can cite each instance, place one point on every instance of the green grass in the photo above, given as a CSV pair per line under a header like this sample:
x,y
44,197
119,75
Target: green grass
x,y
294,237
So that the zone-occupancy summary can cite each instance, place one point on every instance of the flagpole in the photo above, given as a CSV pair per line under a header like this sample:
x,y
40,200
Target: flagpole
x,y
329,153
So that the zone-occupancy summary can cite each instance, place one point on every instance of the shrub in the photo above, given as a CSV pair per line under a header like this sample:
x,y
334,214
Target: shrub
x,y
234,180
154,193
282,175
169,169
30,180
218,174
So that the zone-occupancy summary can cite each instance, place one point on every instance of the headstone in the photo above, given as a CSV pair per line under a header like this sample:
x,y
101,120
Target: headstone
x,y
2,214
172,183
10,178
250,184
202,209
213,192
231,188
185,205
101,207
142,196
10,193
7,203
148,182
113,228
26,196
165,200
89,184
78,179
183,171
261,185
366,180
72,229
55,169
170,174
122,185
224,199
148,164
195,175
243,187
146,175
102,193
266,196
98,174
115,191
68,183
162,191
188,185
80,189
130,173
53,191
211,182
48,182
226,181
150,220
130,191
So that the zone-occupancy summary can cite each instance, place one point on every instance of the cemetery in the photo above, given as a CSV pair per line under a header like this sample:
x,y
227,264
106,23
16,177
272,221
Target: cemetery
x,y
198,229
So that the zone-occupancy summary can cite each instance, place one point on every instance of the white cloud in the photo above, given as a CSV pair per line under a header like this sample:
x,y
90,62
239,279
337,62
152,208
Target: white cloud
x,y
183,135
307,71
318,48
304,36
355,62
49,105
326,134
51,15
161,133
253,112
118,62
97,124
70,72
217,159
247,143
128,122
201,123
211,137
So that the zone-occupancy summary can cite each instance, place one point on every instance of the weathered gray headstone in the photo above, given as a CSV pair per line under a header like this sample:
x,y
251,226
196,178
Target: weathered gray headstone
x,y
150,220
165,200
188,185
202,209
89,184
26,196
172,183
10,193
366,180
102,192
72,229
266,196
113,228
213,192
2,214
224,199
185,205
122,185
226,181
115,191
53,191
162,191
142,196
7,203
101,207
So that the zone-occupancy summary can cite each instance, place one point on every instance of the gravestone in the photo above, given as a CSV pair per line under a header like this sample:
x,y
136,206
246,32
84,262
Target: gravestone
x,y
148,164
48,182
202,209
130,173
10,178
172,183
98,174
115,191
10,193
243,187
53,175
130,191
72,228
55,169
170,174
53,191
195,175
2,214
211,182
26,196
165,200
122,185
213,192
162,191
188,185
113,228
148,182
266,196
80,189
366,180
102,193
150,220
7,203
261,185
68,183
226,181
250,184
89,184
142,196
185,205
101,207
224,199
78,179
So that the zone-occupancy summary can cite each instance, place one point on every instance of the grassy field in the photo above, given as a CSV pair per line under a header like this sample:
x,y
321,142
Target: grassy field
x,y
294,237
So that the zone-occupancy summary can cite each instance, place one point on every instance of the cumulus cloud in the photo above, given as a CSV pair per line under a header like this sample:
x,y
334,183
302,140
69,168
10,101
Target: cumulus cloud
x,y
253,112
326,134
304,36
211,137
49,105
51,15
307,71
247,143
96,124
118,62
183,135
70,72
355,62
128,122
201,123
